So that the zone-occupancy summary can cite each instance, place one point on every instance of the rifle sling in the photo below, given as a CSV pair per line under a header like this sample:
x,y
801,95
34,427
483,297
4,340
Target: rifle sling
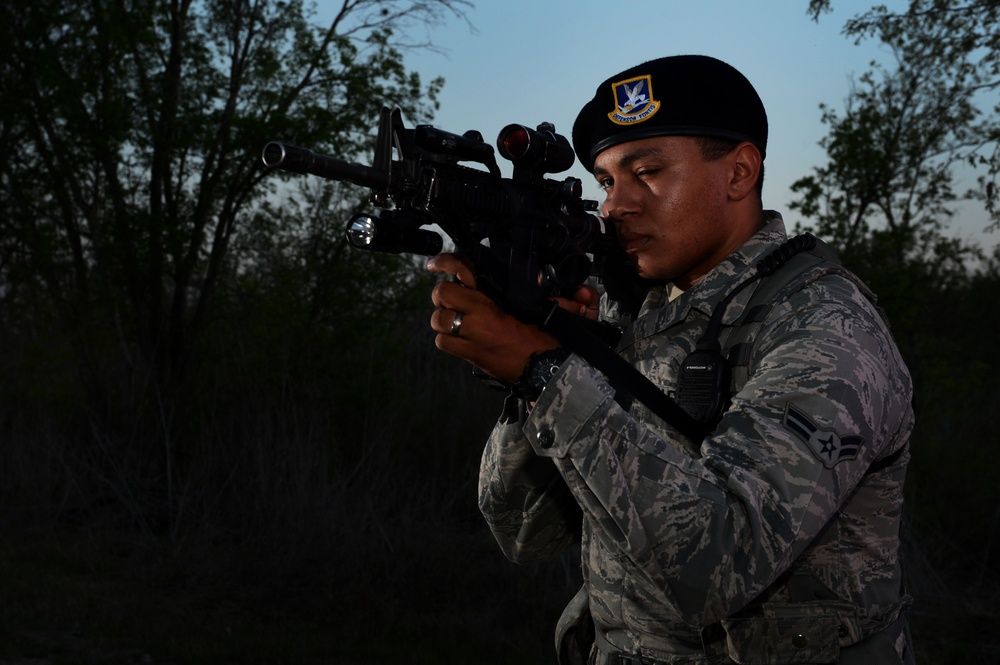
x,y
623,377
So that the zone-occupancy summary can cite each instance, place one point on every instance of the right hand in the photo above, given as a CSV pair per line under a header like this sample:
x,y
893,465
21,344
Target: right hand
x,y
586,302
489,338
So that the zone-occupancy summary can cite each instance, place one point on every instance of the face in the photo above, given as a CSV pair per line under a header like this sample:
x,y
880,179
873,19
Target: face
x,y
670,206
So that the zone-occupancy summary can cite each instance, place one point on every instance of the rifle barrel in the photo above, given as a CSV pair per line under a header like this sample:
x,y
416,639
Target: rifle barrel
x,y
302,160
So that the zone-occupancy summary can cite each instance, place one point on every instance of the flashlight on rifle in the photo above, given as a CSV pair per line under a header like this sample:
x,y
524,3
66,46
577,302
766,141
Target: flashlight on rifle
x,y
384,234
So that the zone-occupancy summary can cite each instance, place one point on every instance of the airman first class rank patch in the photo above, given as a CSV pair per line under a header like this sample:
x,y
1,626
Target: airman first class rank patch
x,y
826,444
634,100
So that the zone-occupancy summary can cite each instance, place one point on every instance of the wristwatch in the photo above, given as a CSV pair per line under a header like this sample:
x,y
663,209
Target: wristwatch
x,y
540,368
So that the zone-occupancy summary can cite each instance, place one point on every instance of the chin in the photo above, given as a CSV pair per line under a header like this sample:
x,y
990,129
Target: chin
x,y
647,271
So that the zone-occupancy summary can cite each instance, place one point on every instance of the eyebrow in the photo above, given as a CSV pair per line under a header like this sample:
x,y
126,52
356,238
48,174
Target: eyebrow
x,y
631,157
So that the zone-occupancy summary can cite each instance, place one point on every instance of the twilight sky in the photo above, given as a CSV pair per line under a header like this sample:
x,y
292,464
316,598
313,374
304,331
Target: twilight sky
x,y
529,61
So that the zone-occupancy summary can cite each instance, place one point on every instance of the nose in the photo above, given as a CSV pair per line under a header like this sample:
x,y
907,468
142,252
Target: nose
x,y
620,202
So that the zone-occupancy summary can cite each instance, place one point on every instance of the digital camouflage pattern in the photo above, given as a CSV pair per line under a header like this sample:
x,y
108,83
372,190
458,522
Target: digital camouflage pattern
x,y
702,553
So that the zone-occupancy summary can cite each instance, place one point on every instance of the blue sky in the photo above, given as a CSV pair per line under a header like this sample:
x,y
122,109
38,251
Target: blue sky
x,y
530,61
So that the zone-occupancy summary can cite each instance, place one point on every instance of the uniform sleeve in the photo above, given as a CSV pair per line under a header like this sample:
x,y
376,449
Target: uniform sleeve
x,y
523,497
827,395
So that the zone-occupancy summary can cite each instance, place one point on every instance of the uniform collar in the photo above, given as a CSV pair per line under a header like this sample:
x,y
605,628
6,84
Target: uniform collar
x,y
735,268
657,313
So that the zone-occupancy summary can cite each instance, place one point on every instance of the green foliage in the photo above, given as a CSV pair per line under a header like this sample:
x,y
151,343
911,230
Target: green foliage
x,y
817,7
891,161
187,338
151,120
239,429
72,597
135,201
937,111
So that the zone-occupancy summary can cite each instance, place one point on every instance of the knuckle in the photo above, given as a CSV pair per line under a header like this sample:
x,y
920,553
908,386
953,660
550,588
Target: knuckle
x,y
437,293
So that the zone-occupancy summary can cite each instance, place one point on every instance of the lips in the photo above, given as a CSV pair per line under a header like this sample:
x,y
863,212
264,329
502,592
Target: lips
x,y
632,242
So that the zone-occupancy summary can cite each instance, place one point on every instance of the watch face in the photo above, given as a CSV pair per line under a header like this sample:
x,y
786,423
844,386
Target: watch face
x,y
544,367
542,373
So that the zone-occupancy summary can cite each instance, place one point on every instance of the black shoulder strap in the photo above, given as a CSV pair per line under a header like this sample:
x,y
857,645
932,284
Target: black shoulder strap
x,y
791,275
705,386
685,414
627,381
795,273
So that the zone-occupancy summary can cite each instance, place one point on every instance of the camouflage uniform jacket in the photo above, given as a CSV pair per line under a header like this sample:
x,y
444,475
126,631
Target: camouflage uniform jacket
x,y
776,509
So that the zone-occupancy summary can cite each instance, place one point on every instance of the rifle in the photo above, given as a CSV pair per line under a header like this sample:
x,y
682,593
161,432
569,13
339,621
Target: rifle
x,y
529,238
526,236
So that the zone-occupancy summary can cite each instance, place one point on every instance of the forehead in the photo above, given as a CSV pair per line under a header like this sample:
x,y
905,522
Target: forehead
x,y
662,147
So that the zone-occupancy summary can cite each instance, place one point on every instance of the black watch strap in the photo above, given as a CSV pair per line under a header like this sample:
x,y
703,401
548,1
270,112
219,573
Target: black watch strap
x,y
537,373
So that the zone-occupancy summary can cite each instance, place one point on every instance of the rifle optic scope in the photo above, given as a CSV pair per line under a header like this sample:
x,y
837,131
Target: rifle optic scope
x,y
541,150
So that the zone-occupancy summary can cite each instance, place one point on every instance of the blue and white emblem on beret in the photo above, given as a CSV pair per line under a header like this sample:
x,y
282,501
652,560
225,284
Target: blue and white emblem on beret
x,y
634,100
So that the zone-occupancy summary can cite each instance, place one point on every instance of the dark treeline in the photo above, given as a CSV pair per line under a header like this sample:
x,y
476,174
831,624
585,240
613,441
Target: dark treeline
x,y
323,466
226,437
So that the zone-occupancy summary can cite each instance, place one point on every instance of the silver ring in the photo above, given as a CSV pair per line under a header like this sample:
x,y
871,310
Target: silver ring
x,y
456,324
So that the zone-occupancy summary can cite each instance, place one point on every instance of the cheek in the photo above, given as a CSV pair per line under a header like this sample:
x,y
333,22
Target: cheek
x,y
677,209
693,205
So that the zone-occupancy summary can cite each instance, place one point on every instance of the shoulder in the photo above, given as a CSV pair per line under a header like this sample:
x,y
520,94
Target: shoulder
x,y
828,294
831,333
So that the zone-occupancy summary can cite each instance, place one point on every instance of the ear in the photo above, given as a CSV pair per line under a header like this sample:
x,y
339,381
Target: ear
x,y
745,164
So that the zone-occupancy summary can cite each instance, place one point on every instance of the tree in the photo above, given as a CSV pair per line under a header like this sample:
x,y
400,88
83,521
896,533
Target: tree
x,y
148,260
131,134
884,198
888,191
886,195
948,68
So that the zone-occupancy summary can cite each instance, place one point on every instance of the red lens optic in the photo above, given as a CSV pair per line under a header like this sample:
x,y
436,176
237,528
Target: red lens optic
x,y
516,143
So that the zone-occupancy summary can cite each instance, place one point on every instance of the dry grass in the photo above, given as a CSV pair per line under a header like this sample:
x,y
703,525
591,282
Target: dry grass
x,y
284,517
266,540
73,597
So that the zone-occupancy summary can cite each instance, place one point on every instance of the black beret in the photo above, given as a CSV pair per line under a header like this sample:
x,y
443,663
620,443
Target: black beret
x,y
684,95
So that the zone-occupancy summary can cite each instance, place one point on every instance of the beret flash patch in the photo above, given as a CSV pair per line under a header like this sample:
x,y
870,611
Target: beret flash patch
x,y
633,100
826,444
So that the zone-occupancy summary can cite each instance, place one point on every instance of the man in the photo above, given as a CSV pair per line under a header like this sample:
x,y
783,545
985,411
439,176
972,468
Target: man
x,y
775,538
